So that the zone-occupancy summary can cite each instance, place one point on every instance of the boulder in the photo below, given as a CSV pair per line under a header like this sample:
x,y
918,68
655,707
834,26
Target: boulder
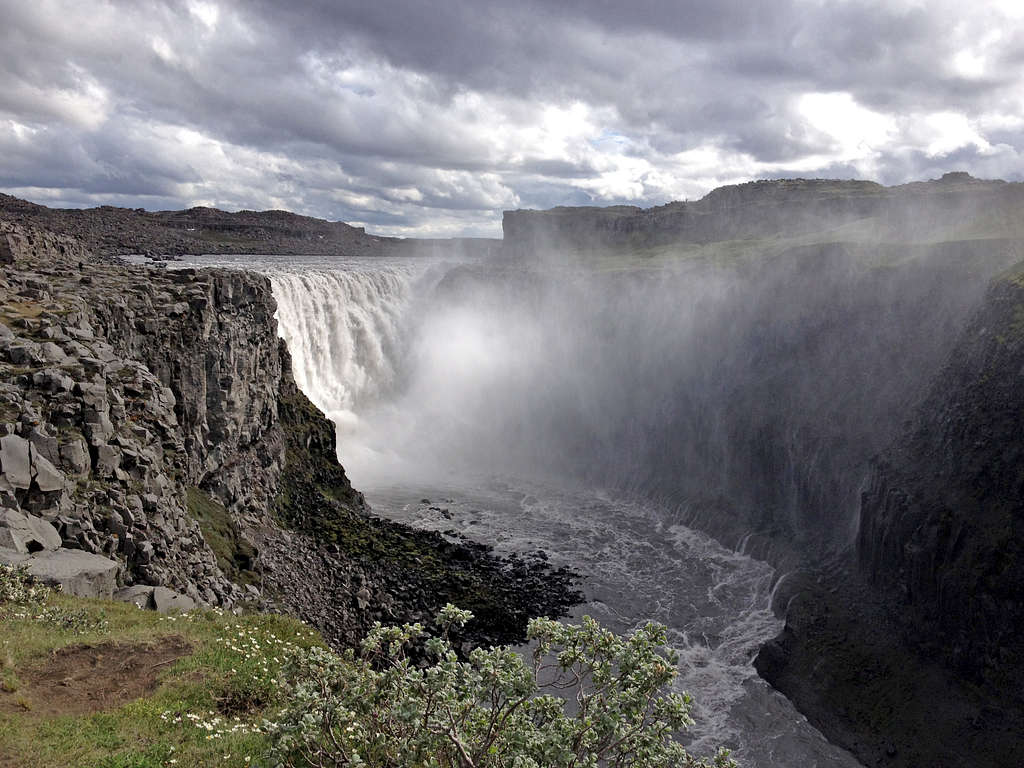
x,y
25,352
26,533
108,459
75,457
8,498
44,445
53,381
166,600
141,595
15,461
76,572
47,476
52,353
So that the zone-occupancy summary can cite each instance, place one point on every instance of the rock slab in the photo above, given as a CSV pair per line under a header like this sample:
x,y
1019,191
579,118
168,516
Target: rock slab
x,y
76,573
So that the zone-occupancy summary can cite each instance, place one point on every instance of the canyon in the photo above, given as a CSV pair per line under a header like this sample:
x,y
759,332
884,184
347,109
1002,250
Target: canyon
x,y
823,374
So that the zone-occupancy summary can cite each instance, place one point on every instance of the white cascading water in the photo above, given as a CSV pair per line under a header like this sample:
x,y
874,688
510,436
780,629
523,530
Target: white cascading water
x,y
343,331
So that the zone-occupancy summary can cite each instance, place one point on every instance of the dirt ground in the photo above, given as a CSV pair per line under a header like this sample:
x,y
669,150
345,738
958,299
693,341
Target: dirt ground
x,y
81,679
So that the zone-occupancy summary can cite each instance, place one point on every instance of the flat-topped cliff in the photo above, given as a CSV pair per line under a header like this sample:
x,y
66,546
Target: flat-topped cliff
x,y
953,207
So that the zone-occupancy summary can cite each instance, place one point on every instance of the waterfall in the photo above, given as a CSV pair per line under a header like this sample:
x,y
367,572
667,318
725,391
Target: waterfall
x,y
343,329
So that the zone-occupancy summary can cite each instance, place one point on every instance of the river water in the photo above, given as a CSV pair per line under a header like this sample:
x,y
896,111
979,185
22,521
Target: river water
x,y
429,397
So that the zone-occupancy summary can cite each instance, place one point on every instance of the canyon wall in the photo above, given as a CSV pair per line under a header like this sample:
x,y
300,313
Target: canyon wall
x,y
942,519
152,430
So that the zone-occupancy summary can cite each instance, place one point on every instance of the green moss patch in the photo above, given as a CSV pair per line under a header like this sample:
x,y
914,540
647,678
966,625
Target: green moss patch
x,y
235,556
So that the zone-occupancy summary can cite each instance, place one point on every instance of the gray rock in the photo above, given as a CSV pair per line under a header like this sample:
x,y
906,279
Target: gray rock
x,y
12,557
77,573
8,499
46,476
363,598
54,333
104,352
15,461
44,445
26,533
53,381
52,353
166,600
144,552
141,595
82,334
93,395
98,427
76,349
25,352
108,459
75,456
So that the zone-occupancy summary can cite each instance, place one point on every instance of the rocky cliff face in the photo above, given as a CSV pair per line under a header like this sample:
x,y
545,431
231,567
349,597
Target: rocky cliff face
x,y
942,521
135,385
919,632
903,605
149,421
112,231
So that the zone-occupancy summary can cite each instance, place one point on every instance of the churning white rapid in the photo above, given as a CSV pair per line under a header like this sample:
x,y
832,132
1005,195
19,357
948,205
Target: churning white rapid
x,y
430,393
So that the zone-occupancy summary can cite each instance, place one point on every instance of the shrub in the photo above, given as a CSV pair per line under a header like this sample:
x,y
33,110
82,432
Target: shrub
x,y
494,709
19,590
22,596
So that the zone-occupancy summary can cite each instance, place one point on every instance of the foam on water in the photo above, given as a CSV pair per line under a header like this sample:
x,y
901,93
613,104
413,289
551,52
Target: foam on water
x,y
636,568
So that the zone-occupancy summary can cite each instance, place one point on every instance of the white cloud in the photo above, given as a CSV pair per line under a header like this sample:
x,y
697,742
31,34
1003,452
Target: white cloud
x,y
207,13
854,131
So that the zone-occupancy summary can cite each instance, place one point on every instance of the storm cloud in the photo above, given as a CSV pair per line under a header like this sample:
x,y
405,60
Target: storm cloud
x,y
430,118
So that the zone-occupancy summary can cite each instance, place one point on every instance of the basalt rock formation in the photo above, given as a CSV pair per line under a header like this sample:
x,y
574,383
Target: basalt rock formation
x,y
942,210
910,653
111,231
151,430
942,519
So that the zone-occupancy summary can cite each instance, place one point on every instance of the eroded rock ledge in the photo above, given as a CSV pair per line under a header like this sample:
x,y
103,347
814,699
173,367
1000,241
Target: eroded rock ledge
x,y
150,417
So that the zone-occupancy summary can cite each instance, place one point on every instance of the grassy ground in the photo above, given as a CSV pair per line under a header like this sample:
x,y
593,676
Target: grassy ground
x,y
99,684
234,555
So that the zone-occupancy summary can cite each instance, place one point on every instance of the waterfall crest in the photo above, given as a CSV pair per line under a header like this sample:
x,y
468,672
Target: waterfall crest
x,y
343,329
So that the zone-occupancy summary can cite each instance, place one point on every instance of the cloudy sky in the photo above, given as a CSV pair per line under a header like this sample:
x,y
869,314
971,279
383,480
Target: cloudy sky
x,y
429,118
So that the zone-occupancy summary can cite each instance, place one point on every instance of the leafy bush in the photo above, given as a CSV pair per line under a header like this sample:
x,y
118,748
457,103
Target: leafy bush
x,y
20,591
22,596
493,710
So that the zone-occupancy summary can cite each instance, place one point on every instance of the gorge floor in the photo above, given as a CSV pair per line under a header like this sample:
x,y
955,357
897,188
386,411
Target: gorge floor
x,y
637,565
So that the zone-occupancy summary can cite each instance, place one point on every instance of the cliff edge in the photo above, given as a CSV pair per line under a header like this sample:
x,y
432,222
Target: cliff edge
x,y
152,438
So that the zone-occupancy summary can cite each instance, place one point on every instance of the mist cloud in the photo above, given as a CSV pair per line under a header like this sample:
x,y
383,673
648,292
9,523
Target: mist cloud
x,y
430,118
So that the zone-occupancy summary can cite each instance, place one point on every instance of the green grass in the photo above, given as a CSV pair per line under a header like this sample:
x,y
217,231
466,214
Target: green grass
x,y
235,556
26,309
210,681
